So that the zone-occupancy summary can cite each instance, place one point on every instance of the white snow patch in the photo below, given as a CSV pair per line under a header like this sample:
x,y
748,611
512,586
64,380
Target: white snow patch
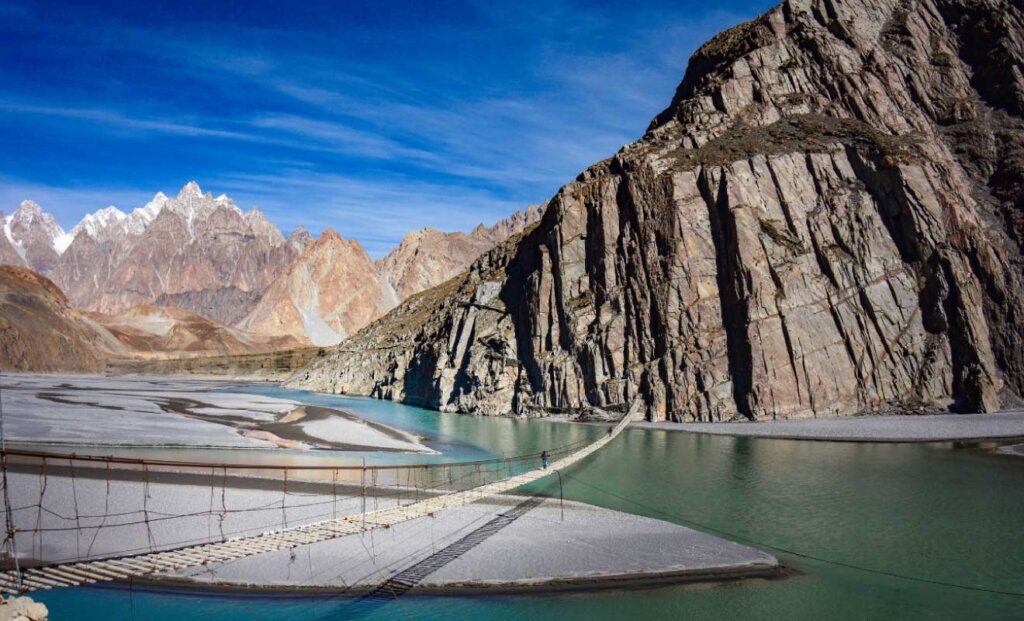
x,y
152,209
93,223
142,217
18,247
61,243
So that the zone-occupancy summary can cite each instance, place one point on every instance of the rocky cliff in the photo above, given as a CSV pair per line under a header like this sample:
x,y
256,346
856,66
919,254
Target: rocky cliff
x,y
826,220
429,257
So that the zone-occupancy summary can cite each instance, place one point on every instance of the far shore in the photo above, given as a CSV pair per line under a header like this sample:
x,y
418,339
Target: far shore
x,y
1001,426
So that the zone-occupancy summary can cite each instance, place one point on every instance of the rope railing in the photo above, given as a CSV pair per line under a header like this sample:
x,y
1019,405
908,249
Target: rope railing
x,y
60,507
60,504
113,459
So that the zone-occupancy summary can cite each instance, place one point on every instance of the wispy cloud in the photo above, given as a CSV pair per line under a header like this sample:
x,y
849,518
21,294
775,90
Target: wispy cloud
x,y
119,121
369,122
375,213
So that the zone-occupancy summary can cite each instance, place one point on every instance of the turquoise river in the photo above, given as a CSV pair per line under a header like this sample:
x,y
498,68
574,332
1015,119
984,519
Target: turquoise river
x,y
851,521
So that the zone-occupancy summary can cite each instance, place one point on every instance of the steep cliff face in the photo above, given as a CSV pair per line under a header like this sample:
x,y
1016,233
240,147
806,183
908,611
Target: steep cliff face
x,y
825,221
429,257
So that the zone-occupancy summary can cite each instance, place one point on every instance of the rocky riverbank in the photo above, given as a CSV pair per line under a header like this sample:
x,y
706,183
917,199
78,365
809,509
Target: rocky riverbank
x,y
22,609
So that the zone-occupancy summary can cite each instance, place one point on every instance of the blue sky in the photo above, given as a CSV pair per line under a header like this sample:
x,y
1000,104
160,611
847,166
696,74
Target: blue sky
x,y
372,118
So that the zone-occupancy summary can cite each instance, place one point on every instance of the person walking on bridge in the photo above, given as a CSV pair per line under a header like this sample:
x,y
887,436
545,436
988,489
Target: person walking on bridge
x,y
544,459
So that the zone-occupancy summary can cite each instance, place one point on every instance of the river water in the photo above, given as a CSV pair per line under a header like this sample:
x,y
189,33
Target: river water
x,y
849,520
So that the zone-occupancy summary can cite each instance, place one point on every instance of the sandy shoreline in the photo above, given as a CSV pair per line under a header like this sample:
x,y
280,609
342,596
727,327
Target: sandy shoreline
x,y
100,411
917,428
638,580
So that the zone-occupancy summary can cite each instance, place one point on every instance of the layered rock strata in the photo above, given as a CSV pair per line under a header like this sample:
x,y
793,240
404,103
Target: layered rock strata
x,y
825,221
41,331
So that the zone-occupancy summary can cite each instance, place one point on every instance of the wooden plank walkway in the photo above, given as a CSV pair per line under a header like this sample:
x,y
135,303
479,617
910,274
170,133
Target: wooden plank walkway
x,y
127,567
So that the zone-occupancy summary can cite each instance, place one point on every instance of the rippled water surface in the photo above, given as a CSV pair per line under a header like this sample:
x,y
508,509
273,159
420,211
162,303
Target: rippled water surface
x,y
938,514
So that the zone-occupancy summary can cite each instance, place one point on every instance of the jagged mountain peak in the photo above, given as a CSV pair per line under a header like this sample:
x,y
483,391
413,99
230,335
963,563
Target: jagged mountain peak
x,y
35,235
329,235
29,209
190,190
93,223
328,292
299,239
191,250
428,257
148,212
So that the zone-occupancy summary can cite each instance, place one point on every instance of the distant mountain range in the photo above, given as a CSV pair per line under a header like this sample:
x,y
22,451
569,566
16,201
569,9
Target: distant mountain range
x,y
41,331
206,256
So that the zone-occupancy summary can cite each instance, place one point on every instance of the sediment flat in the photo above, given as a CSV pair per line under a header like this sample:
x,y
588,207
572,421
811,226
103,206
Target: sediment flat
x,y
910,428
539,550
98,410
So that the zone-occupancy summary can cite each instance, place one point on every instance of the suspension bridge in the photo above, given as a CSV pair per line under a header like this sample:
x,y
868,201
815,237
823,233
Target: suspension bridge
x,y
408,492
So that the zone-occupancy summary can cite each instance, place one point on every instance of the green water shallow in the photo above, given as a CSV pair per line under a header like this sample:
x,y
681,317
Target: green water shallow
x,y
940,514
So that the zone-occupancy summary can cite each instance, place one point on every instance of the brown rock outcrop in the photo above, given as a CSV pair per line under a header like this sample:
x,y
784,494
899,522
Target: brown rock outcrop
x,y
153,331
825,221
427,258
329,292
41,331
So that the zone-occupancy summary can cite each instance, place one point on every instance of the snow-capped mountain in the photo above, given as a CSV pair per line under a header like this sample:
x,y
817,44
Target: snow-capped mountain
x,y
36,236
207,256
94,223
194,251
